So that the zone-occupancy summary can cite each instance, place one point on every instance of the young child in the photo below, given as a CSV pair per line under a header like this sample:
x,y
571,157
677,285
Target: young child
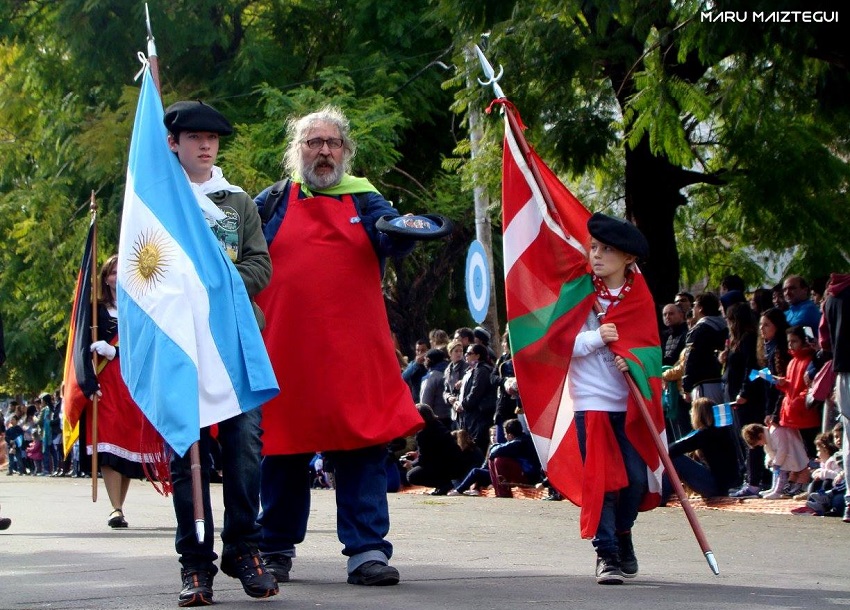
x,y
819,494
794,413
35,452
609,431
784,454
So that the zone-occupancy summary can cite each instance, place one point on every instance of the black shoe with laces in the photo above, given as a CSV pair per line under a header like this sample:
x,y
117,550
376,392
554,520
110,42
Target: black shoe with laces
x,y
249,568
197,588
278,565
374,574
628,561
608,570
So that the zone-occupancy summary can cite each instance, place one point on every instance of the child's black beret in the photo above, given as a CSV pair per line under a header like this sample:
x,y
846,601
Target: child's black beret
x,y
618,233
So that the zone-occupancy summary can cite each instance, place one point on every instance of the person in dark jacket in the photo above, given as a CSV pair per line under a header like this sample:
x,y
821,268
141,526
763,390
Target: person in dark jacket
x,y
504,379
452,377
748,396
674,334
431,392
718,469
478,395
437,459
705,341
837,321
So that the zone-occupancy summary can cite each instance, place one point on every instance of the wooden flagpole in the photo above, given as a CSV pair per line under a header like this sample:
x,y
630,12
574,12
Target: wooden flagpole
x,y
94,289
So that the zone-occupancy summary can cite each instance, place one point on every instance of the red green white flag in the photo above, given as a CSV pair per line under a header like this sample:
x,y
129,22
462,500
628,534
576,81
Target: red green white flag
x,y
550,295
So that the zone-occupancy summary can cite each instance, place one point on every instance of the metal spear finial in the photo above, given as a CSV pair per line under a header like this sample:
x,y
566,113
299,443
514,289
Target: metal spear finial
x,y
492,77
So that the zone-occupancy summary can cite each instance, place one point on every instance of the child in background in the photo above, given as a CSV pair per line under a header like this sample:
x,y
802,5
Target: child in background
x,y
35,452
795,386
827,478
784,455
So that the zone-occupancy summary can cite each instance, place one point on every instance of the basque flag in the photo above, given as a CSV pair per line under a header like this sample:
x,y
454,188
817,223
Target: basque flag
x,y
191,351
549,296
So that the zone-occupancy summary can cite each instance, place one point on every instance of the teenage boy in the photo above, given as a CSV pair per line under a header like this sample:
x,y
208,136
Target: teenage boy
x,y
612,441
194,129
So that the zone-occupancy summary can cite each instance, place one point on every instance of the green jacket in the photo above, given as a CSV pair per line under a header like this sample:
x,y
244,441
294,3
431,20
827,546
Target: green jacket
x,y
240,235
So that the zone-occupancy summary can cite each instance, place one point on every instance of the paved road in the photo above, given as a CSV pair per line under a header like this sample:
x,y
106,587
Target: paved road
x,y
453,553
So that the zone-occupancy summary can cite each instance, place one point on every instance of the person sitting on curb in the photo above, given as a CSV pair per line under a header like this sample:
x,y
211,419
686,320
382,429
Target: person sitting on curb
x,y
514,461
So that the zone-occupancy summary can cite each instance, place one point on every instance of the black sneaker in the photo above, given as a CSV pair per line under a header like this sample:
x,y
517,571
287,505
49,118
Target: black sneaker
x,y
628,561
278,565
608,570
250,570
197,588
374,574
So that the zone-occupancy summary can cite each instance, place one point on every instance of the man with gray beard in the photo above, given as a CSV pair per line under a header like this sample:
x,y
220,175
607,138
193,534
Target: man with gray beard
x,y
329,341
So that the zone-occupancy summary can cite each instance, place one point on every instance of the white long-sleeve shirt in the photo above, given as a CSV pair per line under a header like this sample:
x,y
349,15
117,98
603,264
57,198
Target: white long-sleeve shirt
x,y
595,382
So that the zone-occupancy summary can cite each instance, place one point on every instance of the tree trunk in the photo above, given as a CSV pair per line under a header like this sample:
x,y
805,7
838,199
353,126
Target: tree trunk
x,y
652,198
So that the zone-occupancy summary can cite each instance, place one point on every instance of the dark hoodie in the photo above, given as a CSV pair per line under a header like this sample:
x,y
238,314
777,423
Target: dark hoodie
x,y
836,311
705,339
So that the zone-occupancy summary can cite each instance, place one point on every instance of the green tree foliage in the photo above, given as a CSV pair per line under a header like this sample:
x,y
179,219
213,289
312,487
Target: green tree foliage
x,y
658,109
67,103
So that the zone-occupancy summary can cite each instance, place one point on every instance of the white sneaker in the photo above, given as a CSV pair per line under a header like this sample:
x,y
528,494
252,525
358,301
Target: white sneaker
x,y
771,495
453,492
472,492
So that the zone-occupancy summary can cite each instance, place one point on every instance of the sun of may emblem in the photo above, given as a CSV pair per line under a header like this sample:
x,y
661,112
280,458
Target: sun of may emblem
x,y
149,262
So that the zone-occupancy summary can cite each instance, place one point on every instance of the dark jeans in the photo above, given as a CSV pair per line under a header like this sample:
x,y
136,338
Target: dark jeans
x,y
697,476
239,438
476,476
16,464
362,512
619,508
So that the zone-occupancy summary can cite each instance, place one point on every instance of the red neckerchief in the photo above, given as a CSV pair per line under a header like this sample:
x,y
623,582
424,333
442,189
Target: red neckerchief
x,y
605,294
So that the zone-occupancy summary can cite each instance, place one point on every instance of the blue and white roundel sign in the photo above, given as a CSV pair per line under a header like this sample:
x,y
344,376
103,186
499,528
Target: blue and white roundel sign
x,y
477,281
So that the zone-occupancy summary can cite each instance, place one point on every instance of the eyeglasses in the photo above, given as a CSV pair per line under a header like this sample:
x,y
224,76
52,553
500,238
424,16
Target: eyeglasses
x,y
470,354
317,143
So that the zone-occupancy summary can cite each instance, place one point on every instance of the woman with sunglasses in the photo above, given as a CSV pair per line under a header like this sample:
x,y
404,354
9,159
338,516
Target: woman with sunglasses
x,y
478,395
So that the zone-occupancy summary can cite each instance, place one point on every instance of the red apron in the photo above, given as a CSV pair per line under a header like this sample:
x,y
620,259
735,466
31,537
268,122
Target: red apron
x,y
328,336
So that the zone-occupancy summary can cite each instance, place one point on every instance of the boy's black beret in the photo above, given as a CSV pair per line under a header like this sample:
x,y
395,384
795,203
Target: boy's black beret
x,y
195,116
618,233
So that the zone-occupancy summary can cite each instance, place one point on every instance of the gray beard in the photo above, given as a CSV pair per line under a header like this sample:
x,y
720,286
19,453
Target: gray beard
x,y
318,183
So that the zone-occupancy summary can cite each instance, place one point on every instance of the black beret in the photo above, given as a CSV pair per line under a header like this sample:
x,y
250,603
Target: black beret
x,y
196,116
619,233
482,334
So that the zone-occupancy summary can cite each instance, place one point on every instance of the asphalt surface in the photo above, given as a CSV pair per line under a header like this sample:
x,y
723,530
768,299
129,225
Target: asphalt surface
x,y
452,553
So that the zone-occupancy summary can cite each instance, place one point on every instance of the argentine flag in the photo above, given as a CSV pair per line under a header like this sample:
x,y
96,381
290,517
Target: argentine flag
x,y
723,415
191,352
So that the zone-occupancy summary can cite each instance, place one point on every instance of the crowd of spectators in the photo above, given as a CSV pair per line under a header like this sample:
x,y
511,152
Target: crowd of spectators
x,y
31,440
748,399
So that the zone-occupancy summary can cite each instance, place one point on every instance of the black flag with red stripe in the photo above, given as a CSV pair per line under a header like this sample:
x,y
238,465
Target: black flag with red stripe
x,y
80,380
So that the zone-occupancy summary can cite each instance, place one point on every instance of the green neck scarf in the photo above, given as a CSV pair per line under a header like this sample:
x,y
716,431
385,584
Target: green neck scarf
x,y
347,185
